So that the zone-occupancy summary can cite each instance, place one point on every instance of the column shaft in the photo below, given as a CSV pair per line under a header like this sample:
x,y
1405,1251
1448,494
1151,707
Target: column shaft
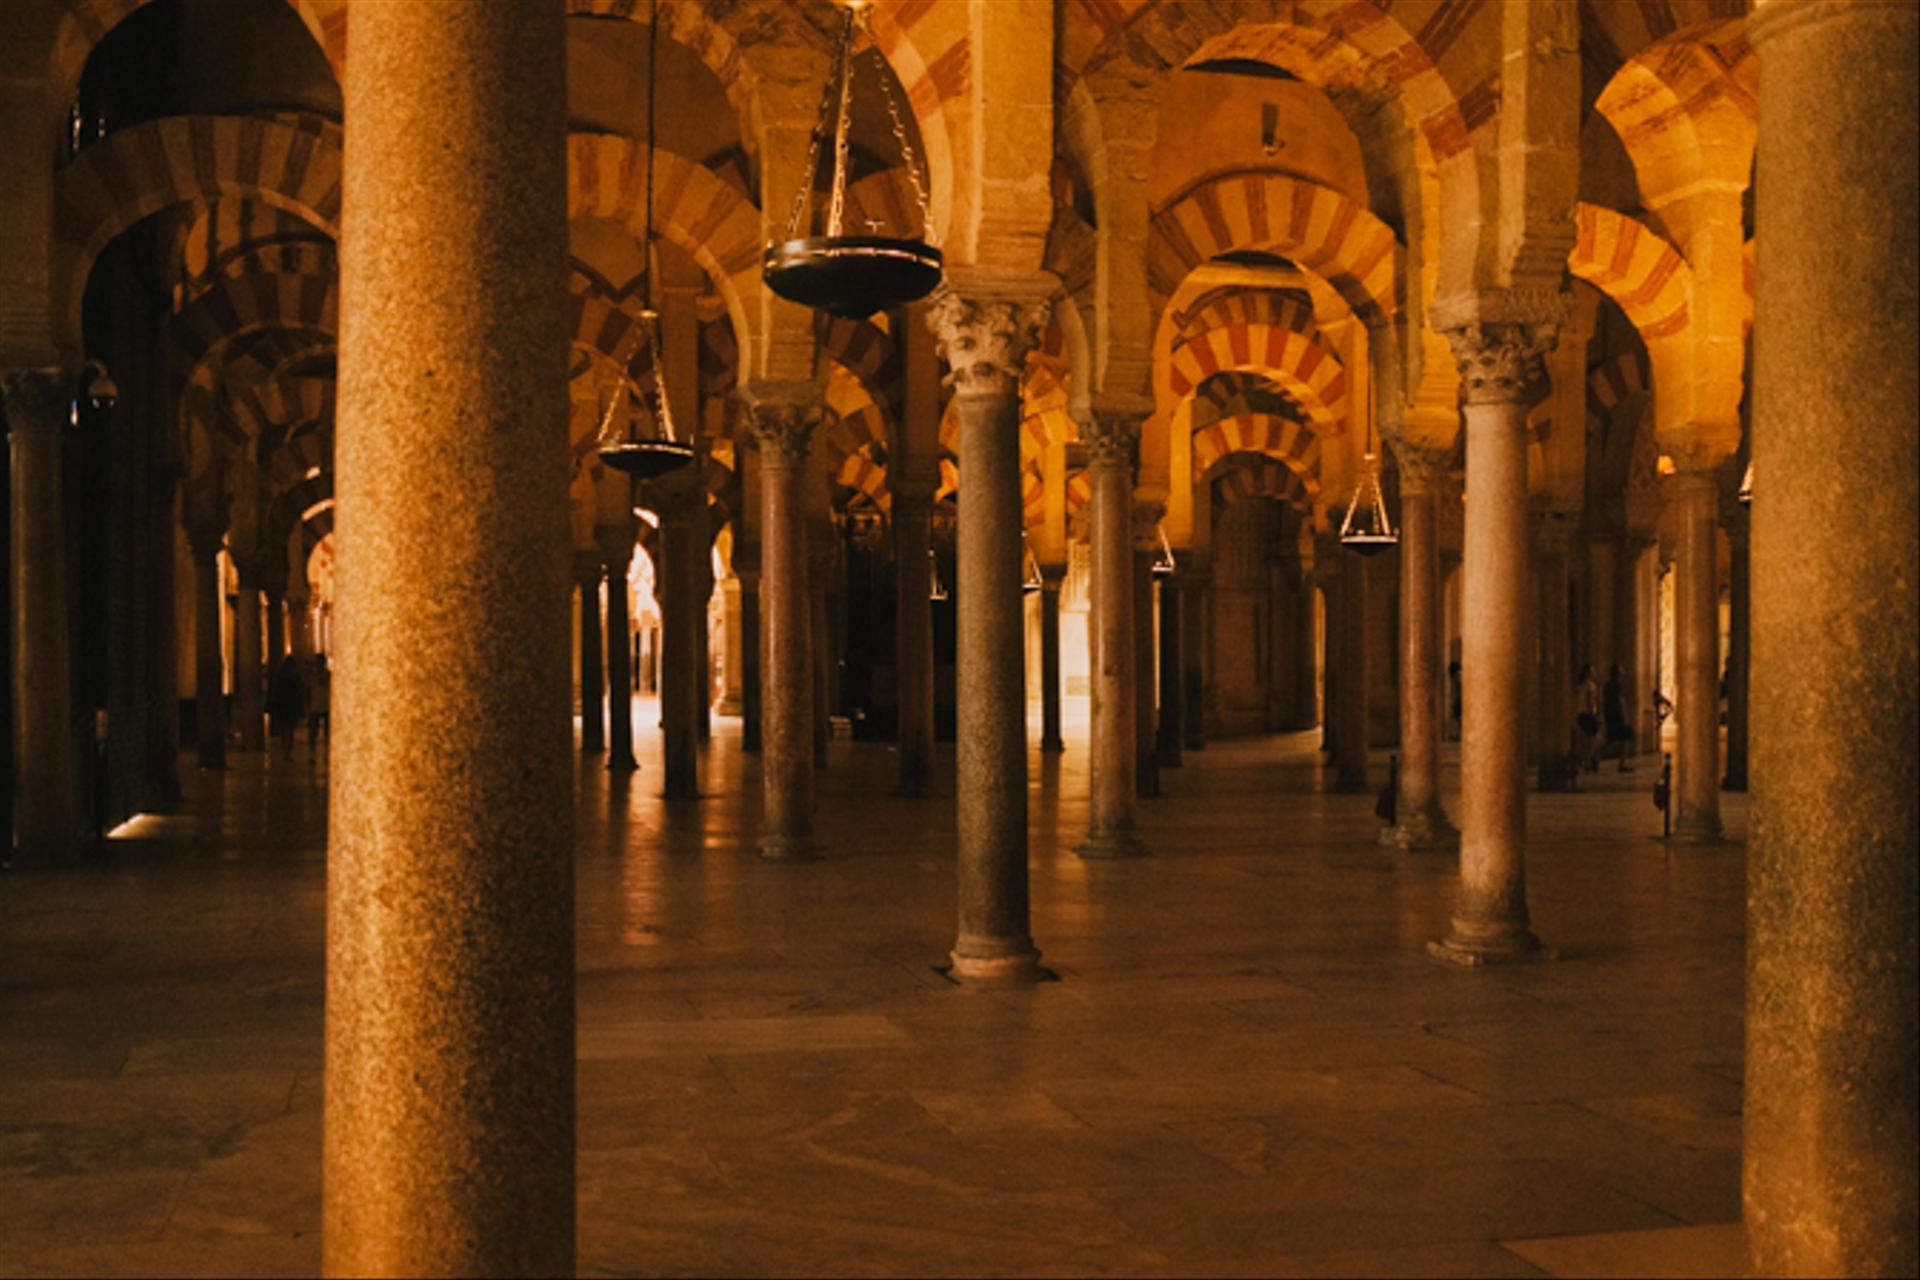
x,y
1420,821
618,547
1559,762
1172,722
1830,1150
1050,583
593,674
913,640
784,419
46,756
1195,610
449,1134
209,670
985,342
683,619
1111,776
1306,654
249,694
276,628
1491,921
751,655
1696,766
1145,753
1350,740
1739,657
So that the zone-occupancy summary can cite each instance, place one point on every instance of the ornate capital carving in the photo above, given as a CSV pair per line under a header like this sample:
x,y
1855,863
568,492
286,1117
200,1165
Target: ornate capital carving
x,y
985,340
1499,362
783,416
36,400
1112,434
1423,468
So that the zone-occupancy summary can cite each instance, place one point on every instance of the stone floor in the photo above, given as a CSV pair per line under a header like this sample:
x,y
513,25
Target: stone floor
x,y
1248,1066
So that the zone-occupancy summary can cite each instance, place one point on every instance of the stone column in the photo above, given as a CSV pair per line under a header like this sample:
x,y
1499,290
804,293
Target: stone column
x,y
1635,620
1558,764
1172,720
1695,500
249,693
1490,924
680,501
1306,653
784,415
46,756
750,657
1111,438
1602,575
587,573
1350,737
1832,1174
820,566
616,545
275,597
1146,756
449,1134
1194,619
209,670
1052,577
984,334
1739,649
1420,820
300,625
913,636
732,689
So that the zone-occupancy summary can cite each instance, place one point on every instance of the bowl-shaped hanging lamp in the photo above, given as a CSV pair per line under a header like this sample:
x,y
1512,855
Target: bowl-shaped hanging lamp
x,y
850,275
1366,530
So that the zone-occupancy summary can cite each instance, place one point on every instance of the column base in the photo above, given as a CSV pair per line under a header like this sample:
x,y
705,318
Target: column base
x,y
1473,943
996,962
1111,844
729,706
622,764
788,848
1052,744
1697,828
1426,831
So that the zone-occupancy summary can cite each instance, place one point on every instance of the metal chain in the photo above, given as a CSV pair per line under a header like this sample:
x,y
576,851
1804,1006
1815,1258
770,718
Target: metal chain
x,y
812,168
906,150
842,127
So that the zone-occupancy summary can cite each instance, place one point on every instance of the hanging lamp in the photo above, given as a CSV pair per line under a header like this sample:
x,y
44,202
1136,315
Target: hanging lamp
x,y
625,446
1367,530
1163,563
938,591
1030,580
843,275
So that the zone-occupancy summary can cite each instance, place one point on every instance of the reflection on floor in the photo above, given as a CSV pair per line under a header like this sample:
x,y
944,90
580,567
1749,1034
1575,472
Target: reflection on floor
x,y
1248,1067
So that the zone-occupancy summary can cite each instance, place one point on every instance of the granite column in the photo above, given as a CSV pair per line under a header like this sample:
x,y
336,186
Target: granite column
x,y
1420,821
249,691
1111,438
449,1084
1695,498
46,756
985,325
1831,1161
1498,364
784,415
1172,721
1052,577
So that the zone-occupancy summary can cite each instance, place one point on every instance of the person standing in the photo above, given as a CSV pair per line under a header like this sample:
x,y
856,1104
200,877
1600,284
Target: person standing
x,y
1613,701
1587,717
286,701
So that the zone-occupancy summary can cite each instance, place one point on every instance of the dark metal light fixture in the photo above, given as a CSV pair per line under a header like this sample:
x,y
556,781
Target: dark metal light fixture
x,y
624,446
847,275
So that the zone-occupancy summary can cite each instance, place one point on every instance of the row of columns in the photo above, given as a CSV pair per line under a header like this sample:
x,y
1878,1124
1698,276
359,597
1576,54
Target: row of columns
x,y
449,1084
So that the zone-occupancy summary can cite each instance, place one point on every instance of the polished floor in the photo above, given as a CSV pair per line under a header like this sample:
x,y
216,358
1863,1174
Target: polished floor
x,y
1248,1066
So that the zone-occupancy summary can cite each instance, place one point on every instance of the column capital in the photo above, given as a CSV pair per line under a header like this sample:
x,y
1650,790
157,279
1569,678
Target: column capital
x,y
985,326
783,415
1499,363
1111,431
38,401
1423,468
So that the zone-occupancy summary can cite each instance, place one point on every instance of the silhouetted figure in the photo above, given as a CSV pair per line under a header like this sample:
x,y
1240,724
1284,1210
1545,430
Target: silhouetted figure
x,y
1613,702
286,700
1586,695
1387,807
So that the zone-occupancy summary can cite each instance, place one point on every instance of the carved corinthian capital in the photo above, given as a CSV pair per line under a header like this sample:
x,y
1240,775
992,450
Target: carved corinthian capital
x,y
985,340
1111,434
1423,468
1499,362
36,399
783,416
